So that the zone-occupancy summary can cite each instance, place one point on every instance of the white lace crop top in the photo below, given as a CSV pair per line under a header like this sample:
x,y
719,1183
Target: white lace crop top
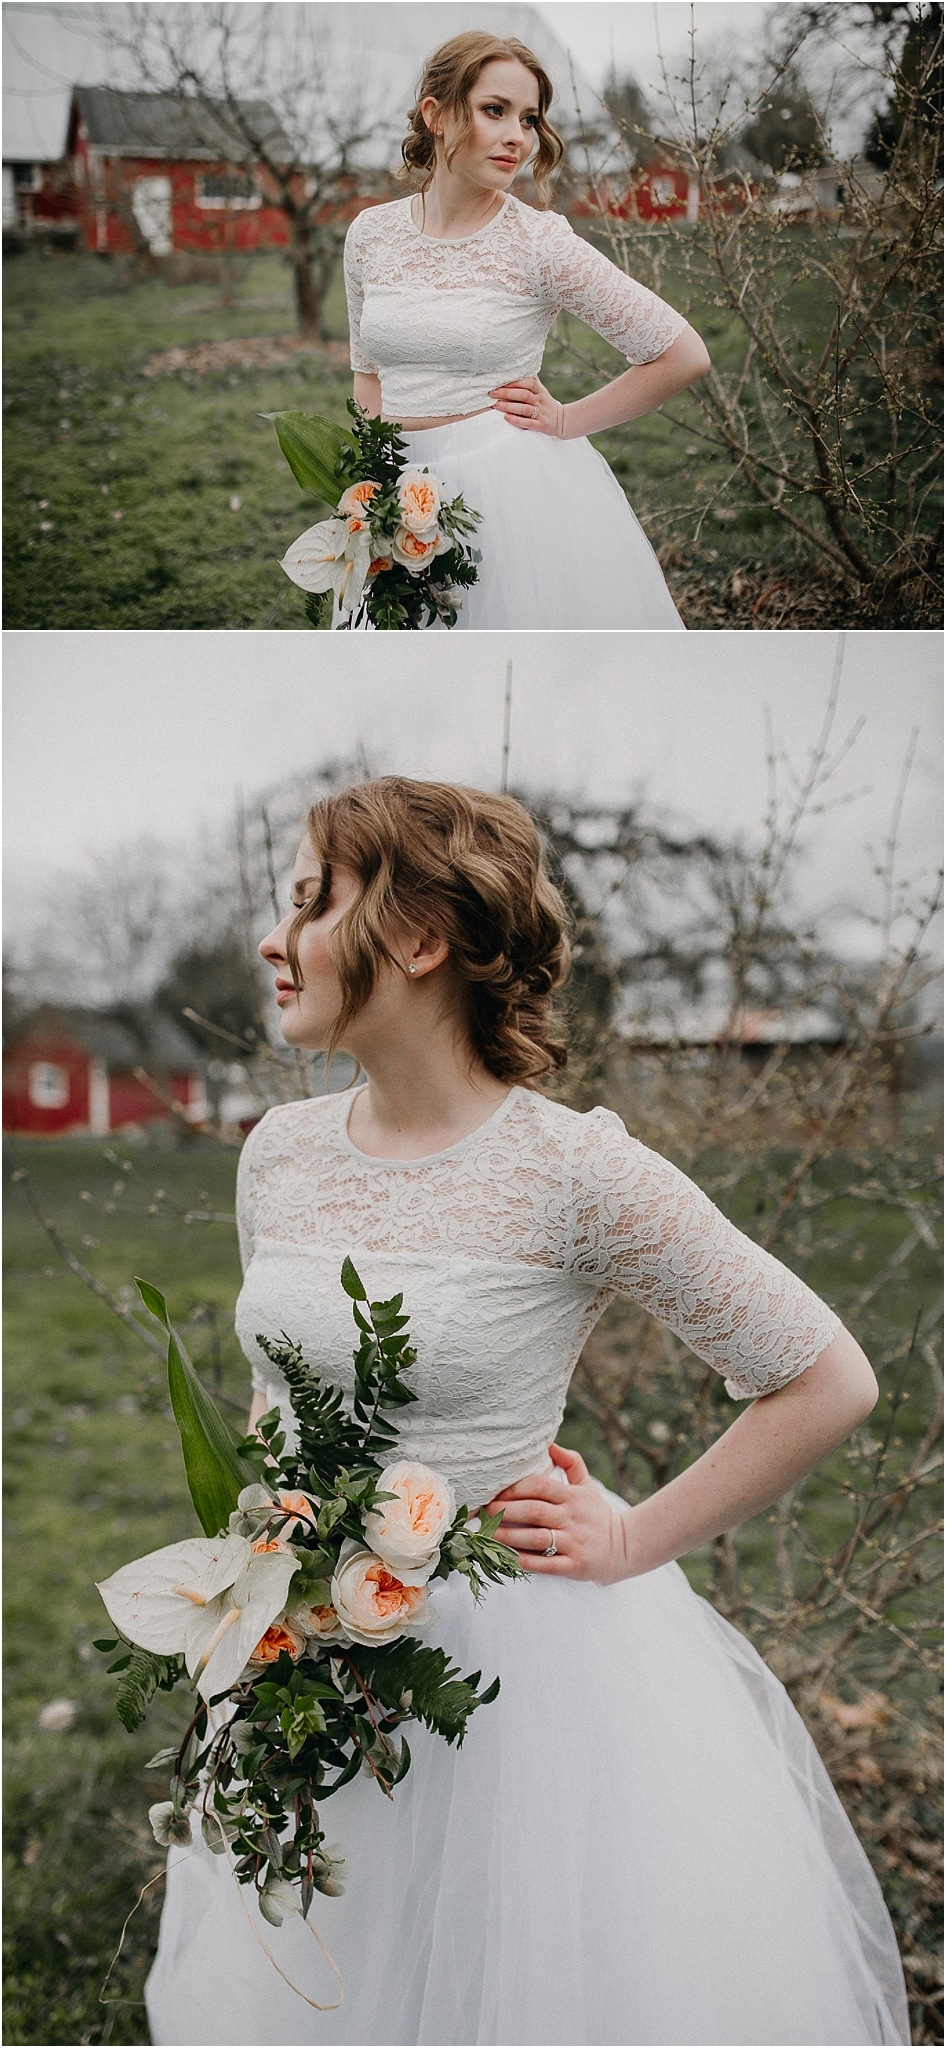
x,y
442,322
507,1247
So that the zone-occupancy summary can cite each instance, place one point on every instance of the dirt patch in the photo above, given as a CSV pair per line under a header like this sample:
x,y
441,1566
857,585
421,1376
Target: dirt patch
x,y
266,352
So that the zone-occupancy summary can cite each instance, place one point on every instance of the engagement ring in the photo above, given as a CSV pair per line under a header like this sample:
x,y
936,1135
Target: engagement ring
x,y
552,1549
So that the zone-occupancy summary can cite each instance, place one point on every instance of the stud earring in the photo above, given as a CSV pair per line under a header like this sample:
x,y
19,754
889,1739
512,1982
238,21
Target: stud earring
x,y
412,969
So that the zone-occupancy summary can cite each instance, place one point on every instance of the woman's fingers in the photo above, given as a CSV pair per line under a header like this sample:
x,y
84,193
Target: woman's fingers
x,y
571,1463
519,1513
543,1486
527,404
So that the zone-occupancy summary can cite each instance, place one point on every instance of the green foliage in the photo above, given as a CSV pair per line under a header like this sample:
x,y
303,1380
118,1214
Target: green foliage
x,y
142,1675
477,1554
320,454
217,1469
330,1439
437,1695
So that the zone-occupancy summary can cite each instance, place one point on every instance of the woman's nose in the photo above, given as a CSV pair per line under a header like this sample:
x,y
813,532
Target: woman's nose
x,y
271,948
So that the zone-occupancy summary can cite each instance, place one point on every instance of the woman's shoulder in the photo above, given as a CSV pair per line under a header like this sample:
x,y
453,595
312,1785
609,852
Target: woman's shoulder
x,y
380,222
542,225
289,1125
577,1132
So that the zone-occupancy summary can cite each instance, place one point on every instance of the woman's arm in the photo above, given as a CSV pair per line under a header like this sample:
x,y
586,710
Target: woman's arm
x,y
367,393
641,389
770,1446
258,1407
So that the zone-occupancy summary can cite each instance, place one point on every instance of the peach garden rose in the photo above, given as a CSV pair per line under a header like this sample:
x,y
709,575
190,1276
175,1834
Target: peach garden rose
x,y
415,550
373,1605
405,1532
418,495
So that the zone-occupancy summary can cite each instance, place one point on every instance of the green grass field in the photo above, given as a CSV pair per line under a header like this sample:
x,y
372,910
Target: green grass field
x,y
94,1477
119,485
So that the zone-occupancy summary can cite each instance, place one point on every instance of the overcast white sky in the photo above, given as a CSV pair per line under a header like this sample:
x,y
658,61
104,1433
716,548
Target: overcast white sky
x,y
111,735
49,47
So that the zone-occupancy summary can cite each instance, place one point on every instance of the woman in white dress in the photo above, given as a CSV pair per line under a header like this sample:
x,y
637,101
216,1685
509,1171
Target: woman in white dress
x,y
637,1842
451,294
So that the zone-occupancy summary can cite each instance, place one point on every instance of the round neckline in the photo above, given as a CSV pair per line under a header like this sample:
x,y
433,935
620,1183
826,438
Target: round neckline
x,y
454,241
427,1158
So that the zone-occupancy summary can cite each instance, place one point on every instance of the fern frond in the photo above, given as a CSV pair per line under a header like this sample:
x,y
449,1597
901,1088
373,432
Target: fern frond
x,y
143,1676
438,1696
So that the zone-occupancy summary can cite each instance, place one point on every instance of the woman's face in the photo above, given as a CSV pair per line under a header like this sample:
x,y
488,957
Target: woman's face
x,y
504,111
307,1018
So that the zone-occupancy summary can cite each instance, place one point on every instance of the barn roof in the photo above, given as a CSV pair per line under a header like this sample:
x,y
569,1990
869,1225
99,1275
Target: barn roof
x,y
123,1039
172,124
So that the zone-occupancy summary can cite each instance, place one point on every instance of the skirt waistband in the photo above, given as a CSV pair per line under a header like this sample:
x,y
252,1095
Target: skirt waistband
x,y
477,431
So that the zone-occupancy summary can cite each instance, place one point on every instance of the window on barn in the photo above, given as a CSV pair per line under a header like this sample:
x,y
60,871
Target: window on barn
x,y
664,191
48,1086
227,188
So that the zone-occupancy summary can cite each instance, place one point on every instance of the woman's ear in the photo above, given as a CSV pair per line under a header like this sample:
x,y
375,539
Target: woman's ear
x,y
430,115
426,953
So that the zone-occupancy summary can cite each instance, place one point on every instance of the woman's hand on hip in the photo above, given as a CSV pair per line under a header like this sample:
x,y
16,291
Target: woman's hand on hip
x,y
584,1530
528,405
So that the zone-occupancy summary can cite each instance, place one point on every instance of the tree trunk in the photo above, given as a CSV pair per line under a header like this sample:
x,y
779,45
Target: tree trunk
x,y
308,293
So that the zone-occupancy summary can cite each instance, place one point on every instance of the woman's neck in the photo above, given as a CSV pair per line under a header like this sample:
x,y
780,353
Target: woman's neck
x,y
418,1102
451,207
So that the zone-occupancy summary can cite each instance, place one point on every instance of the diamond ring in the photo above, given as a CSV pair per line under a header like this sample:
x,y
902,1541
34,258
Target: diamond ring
x,y
552,1548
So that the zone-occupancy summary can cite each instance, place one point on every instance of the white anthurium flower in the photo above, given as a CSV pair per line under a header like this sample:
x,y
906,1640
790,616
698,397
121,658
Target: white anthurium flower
x,y
220,1637
151,1599
334,555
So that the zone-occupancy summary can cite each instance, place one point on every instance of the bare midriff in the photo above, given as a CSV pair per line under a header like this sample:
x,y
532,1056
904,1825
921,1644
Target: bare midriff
x,y
450,419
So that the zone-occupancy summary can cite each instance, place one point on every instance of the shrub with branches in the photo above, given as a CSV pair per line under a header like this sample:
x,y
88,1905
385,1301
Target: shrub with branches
x,y
817,283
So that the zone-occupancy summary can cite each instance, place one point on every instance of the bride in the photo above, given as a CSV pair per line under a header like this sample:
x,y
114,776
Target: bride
x,y
451,294
637,1843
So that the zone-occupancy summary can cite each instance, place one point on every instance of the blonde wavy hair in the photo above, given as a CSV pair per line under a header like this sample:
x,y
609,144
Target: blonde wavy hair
x,y
449,77
467,867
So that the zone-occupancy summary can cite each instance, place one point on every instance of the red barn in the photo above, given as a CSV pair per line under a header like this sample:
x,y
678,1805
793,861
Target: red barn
x,y
662,186
159,171
40,204
76,1070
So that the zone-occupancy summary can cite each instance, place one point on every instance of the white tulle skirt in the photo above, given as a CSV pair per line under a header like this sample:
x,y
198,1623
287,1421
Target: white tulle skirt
x,y
637,1843
561,548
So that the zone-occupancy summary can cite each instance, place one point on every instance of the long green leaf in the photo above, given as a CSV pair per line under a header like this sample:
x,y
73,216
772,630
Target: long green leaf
x,y
312,446
215,1471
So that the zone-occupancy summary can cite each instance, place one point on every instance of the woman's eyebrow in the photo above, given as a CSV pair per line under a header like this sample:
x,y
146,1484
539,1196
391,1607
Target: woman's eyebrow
x,y
498,99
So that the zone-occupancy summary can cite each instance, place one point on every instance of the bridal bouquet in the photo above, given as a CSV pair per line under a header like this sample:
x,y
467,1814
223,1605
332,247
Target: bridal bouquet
x,y
294,1616
394,552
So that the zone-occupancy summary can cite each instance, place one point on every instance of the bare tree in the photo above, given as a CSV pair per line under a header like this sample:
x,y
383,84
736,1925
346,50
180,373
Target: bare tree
x,y
269,95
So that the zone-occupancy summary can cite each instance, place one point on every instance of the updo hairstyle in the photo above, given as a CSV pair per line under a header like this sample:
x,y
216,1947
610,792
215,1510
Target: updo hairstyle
x,y
468,868
449,77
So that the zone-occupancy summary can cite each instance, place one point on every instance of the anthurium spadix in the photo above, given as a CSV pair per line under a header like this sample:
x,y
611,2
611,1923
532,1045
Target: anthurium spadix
x,y
209,1600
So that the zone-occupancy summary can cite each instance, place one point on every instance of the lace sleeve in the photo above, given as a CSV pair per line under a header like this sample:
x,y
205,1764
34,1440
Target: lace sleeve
x,y
574,276
354,292
643,1228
